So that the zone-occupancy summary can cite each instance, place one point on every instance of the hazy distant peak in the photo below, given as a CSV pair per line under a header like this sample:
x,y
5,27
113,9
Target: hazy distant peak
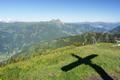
x,y
58,21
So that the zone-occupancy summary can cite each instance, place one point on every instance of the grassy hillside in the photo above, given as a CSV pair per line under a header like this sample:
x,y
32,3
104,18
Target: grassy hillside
x,y
48,66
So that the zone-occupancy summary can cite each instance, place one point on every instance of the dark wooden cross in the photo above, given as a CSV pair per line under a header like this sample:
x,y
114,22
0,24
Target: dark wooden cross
x,y
87,61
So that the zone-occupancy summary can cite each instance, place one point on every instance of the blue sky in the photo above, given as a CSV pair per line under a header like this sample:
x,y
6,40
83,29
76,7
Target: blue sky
x,y
66,10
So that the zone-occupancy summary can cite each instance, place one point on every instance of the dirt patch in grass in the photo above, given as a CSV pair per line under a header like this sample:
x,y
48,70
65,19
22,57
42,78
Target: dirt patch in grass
x,y
114,77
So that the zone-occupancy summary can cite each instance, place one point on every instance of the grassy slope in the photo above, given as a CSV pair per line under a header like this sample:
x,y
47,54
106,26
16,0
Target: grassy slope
x,y
48,67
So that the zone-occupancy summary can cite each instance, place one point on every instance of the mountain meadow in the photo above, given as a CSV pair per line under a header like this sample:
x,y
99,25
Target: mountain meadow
x,y
48,66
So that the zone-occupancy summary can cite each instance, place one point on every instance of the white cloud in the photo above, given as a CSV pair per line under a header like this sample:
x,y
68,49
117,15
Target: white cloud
x,y
7,20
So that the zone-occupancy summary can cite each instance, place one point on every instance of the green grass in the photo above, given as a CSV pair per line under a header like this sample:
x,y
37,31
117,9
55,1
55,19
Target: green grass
x,y
48,66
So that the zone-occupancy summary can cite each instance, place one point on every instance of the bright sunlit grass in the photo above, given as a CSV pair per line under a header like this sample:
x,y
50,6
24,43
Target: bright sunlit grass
x,y
48,67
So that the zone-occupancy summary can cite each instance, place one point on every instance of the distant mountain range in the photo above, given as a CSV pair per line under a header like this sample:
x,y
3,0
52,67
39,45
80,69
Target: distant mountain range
x,y
15,36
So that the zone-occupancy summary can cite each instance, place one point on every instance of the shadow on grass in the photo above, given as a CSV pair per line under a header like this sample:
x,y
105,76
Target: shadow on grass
x,y
87,61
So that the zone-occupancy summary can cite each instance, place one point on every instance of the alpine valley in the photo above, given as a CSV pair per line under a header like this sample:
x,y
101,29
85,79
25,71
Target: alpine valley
x,y
37,50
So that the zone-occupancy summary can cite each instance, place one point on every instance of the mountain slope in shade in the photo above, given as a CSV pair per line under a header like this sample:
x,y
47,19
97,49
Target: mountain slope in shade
x,y
77,40
116,30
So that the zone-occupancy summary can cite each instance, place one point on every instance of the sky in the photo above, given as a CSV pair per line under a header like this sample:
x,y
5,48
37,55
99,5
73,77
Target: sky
x,y
65,10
